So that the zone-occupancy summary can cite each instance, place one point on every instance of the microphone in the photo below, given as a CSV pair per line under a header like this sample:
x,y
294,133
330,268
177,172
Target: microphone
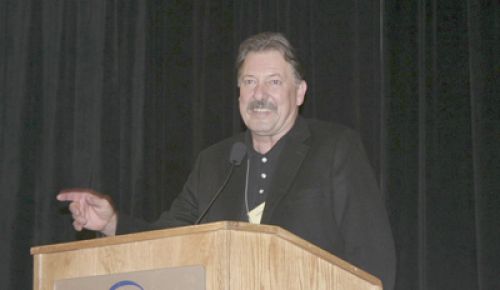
x,y
238,152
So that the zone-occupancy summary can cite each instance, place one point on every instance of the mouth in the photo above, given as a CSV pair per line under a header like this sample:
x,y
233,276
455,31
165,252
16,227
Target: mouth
x,y
261,110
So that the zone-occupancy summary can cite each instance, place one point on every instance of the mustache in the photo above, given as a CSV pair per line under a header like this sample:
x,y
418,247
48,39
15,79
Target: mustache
x,y
261,104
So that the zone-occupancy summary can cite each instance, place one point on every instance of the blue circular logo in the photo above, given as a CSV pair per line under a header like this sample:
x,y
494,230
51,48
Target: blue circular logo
x,y
123,283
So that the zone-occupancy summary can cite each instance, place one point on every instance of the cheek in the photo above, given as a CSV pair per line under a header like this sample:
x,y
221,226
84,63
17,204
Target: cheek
x,y
242,101
284,103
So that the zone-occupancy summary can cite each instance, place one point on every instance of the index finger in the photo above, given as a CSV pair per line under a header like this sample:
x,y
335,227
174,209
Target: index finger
x,y
73,194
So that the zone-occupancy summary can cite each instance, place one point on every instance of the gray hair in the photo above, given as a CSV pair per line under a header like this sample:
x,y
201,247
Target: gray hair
x,y
266,41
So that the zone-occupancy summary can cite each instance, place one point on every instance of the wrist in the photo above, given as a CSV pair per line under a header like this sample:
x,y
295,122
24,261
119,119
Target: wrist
x,y
110,228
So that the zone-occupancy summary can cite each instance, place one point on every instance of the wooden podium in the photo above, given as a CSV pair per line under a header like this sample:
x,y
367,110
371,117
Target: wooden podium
x,y
232,255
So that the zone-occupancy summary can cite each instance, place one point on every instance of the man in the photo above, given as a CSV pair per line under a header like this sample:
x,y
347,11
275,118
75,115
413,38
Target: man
x,y
309,177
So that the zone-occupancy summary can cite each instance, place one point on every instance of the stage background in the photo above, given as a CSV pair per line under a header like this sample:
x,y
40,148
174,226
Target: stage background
x,y
120,96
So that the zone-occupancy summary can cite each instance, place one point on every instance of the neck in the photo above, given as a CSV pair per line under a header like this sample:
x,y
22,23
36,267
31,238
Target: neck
x,y
264,144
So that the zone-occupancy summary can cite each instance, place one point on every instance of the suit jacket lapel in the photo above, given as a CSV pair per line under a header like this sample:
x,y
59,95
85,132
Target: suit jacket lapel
x,y
290,159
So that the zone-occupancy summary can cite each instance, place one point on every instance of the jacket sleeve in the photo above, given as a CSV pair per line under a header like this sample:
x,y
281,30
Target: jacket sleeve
x,y
183,211
360,211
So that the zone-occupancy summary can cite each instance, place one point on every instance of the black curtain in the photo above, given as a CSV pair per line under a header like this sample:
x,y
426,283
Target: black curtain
x,y
442,149
120,96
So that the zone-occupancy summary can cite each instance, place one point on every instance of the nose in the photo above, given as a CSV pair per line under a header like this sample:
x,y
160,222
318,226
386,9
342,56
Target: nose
x,y
259,91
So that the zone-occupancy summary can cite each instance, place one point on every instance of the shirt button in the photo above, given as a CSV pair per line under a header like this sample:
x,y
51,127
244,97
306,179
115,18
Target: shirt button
x,y
261,191
264,159
263,175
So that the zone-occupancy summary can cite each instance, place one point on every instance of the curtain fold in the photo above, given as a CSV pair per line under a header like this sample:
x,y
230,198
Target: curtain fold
x,y
120,96
442,93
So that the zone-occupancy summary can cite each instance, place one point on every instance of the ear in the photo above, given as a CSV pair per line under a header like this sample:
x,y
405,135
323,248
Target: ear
x,y
301,92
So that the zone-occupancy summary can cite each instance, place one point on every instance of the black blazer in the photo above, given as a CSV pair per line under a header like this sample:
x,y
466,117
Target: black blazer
x,y
323,190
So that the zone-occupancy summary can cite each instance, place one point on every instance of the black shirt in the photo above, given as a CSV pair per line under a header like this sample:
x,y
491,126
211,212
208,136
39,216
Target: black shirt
x,y
260,171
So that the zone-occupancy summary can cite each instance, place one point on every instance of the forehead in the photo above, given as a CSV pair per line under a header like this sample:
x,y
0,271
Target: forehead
x,y
265,62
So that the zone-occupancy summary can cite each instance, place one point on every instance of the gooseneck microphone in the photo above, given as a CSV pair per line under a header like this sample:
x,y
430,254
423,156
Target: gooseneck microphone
x,y
238,152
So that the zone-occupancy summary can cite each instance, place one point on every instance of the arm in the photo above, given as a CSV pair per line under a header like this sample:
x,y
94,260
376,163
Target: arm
x,y
94,211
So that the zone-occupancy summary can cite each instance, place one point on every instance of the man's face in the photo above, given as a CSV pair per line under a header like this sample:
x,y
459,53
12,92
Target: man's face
x,y
270,95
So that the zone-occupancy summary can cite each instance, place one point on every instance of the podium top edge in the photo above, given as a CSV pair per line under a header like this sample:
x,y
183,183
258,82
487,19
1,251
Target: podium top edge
x,y
205,228
150,235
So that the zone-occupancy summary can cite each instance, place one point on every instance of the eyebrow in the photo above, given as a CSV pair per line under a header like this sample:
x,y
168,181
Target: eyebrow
x,y
247,76
274,75
267,76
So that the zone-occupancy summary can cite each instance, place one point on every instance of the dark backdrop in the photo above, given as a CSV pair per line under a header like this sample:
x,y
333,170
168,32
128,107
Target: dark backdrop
x,y
120,96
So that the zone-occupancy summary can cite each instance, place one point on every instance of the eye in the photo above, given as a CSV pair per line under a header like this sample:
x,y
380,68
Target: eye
x,y
275,82
248,82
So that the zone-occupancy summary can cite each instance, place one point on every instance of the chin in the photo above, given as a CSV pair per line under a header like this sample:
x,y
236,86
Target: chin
x,y
259,125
